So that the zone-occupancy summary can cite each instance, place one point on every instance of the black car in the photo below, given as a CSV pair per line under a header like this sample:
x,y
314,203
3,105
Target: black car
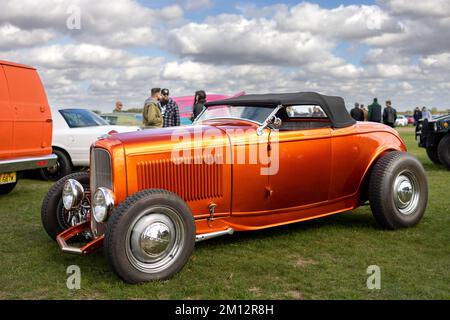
x,y
434,135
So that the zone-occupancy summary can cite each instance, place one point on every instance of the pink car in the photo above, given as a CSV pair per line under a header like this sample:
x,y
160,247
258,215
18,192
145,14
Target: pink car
x,y
185,104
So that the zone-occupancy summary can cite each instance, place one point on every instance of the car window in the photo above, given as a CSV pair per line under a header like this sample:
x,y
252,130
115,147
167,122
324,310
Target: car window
x,y
79,118
252,113
110,119
305,111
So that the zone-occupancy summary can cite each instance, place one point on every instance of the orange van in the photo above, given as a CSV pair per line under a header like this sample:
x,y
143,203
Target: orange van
x,y
25,123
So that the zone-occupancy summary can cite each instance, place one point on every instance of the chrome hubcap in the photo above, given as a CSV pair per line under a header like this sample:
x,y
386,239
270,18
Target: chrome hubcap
x,y
406,191
154,240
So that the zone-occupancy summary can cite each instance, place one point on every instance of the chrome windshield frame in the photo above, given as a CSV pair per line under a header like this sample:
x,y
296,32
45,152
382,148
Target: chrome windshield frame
x,y
196,120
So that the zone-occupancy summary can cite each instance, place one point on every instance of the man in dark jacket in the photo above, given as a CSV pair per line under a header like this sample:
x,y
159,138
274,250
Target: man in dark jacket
x,y
199,103
169,110
357,113
389,115
417,115
375,111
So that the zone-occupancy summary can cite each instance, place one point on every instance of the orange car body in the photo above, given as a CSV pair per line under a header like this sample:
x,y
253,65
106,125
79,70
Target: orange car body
x,y
322,171
25,120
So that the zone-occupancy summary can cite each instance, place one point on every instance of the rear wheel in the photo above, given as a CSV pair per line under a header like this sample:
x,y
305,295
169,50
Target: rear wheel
x,y
62,168
55,218
398,190
7,188
433,155
444,151
150,236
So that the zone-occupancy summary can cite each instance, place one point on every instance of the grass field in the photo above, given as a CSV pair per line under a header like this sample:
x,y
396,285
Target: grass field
x,y
320,259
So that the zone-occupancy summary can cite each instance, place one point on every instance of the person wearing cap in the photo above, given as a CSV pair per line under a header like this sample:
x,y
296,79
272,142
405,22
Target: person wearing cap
x,y
151,114
169,110
119,106
199,103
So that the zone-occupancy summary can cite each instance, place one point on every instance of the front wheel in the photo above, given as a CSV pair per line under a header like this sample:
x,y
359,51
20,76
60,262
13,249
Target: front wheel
x,y
433,155
444,151
150,236
398,190
55,218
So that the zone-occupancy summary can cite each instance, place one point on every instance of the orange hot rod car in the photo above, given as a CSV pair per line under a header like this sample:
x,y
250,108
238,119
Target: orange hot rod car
x,y
247,163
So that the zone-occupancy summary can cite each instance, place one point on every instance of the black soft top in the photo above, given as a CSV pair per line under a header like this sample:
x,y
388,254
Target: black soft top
x,y
334,107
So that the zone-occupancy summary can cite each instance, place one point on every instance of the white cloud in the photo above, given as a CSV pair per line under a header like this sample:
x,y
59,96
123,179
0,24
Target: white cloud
x,y
198,5
399,49
12,36
237,40
344,22
434,8
114,23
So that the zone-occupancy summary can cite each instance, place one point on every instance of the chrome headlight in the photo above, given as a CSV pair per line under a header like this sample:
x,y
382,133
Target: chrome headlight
x,y
102,204
72,194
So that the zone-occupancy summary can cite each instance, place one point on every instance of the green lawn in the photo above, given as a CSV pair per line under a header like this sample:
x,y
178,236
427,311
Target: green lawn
x,y
320,259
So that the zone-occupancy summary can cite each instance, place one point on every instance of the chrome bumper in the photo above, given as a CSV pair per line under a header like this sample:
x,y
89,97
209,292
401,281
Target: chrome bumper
x,y
20,164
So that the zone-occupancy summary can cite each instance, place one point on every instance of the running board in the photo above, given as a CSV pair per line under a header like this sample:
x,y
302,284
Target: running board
x,y
207,236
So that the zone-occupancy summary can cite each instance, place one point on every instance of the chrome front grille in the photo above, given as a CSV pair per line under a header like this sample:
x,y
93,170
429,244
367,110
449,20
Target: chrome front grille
x,y
101,176
101,170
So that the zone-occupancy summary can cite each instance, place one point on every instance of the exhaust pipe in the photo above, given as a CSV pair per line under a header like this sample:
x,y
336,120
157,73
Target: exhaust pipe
x,y
207,236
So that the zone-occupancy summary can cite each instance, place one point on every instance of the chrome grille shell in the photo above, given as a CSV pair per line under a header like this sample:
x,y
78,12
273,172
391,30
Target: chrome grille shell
x,y
101,176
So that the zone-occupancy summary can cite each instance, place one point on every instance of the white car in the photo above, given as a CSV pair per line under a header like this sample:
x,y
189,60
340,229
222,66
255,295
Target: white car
x,y
74,130
401,121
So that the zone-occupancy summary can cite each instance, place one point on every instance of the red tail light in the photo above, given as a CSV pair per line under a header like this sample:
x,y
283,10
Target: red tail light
x,y
112,132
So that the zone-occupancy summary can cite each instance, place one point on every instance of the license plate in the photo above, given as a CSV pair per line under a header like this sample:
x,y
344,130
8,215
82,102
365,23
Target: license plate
x,y
6,178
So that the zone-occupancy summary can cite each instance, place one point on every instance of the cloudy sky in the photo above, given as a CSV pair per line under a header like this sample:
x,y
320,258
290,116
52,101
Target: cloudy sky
x,y
91,53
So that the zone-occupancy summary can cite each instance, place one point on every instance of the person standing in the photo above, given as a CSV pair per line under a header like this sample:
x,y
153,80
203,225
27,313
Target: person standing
x,y
389,115
365,112
417,115
374,111
199,103
152,117
169,110
426,114
119,106
357,113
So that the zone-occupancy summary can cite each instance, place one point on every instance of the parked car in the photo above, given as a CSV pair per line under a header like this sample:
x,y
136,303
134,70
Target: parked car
x,y
410,119
123,118
25,124
152,194
74,130
401,121
434,136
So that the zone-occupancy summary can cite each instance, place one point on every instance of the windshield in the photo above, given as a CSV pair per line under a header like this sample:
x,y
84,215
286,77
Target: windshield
x,y
252,113
123,119
79,118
